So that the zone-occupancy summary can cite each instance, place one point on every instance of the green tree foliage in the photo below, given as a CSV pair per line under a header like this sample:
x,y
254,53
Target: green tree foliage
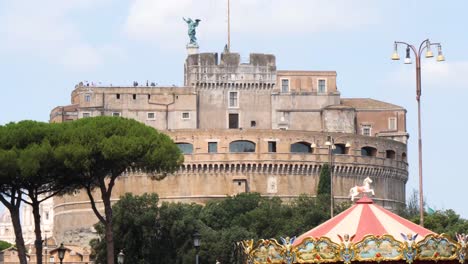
x,y
28,167
441,221
4,245
446,221
324,181
96,151
167,231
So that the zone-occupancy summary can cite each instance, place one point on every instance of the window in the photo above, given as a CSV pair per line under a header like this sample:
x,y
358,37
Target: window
x,y
51,259
87,98
392,123
233,99
284,117
86,115
116,114
185,115
242,146
212,147
47,216
301,147
339,149
366,130
149,96
253,123
322,86
186,148
150,116
369,152
285,85
233,121
134,96
390,154
271,146
403,156
117,96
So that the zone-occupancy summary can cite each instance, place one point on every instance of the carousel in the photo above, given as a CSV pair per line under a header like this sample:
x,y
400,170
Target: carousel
x,y
365,232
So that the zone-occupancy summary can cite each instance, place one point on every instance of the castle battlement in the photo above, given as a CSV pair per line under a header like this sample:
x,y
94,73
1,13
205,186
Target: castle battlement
x,y
204,68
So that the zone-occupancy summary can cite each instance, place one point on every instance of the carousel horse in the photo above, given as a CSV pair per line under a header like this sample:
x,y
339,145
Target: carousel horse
x,y
353,192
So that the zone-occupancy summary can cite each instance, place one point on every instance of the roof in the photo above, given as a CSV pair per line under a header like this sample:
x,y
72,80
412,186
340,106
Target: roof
x,y
365,218
369,104
78,250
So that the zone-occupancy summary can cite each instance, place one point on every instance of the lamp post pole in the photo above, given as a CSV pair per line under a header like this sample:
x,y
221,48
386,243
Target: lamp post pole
x,y
425,45
196,243
330,167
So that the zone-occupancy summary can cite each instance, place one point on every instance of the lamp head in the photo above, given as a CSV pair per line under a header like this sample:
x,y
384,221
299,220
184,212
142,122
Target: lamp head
x,y
313,145
196,239
440,56
429,53
408,57
61,251
395,55
120,257
329,141
348,145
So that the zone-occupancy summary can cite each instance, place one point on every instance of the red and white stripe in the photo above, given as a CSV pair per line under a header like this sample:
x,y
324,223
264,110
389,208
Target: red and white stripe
x,y
365,218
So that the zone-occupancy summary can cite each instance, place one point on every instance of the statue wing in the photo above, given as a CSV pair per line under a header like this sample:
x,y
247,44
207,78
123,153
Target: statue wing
x,y
283,241
404,236
291,240
415,236
341,238
352,237
197,20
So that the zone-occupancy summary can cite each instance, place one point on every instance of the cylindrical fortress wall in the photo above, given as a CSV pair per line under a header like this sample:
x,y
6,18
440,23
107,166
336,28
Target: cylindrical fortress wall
x,y
278,171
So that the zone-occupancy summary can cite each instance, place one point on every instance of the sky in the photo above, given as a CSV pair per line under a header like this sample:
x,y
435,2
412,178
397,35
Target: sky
x,y
48,46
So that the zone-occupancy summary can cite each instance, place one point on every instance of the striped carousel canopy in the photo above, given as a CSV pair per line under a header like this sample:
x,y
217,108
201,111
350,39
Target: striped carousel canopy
x,y
366,218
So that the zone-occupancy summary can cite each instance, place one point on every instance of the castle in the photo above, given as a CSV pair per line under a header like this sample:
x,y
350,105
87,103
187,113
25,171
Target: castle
x,y
247,127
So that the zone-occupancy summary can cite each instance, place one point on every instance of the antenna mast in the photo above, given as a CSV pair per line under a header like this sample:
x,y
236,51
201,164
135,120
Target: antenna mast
x,y
229,24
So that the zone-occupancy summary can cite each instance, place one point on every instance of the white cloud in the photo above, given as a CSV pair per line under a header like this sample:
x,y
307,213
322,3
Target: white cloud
x,y
162,20
44,29
448,74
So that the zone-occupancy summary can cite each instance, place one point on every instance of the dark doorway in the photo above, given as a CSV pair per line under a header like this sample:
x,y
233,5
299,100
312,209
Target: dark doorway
x,y
233,120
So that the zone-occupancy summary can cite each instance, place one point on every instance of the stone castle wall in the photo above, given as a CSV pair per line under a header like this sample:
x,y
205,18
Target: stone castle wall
x,y
206,176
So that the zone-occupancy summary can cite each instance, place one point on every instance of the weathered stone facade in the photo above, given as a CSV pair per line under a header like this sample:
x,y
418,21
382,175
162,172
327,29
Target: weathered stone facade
x,y
246,127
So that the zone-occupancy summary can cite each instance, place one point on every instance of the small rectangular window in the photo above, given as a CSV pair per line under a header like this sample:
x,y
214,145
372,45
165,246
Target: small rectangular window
x,y
86,115
233,99
284,117
116,114
322,86
150,116
87,98
271,146
185,115
134,96
149,96
212,147
117,96
366,130
284,85
392,123
253,123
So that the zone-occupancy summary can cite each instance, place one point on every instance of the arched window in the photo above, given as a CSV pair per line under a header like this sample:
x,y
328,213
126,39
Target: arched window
x,y
301,147
341,149
403,156
242,146
186,148
390,154
369,151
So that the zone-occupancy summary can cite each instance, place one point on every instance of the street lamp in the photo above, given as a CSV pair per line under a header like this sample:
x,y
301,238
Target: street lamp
x,y
120,257
61,252
425,45
196,243
331,147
